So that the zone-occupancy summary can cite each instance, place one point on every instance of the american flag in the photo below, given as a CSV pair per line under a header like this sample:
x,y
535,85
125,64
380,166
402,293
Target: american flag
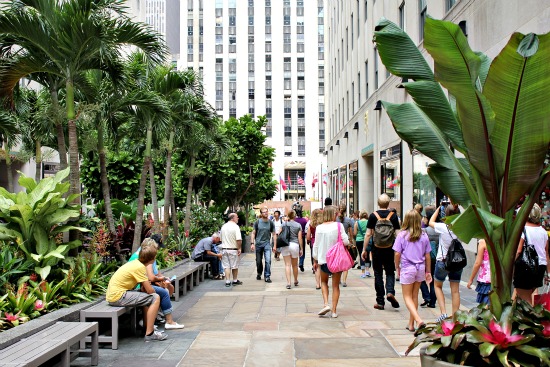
x,y
300,180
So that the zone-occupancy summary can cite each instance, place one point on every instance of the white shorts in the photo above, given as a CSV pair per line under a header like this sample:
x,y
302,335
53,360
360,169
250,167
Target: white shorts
x,y
291,250
230,259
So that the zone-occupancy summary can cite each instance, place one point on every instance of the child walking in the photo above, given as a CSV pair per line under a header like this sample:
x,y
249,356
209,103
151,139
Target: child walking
x,y
412,260
483,266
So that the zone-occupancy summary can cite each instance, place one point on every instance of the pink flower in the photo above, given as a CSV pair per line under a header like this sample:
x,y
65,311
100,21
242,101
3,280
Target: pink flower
x,y
499,336
447,327
33,277
546,328
14,319
38,305
187,233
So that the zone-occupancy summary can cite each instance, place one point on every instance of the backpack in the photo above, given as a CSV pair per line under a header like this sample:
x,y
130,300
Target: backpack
x,y
283,239
456,256
384,233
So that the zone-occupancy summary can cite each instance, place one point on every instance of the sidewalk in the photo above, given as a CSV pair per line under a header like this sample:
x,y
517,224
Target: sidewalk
x,y
262,324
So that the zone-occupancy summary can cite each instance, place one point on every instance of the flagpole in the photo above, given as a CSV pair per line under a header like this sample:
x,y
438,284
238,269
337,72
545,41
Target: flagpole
x,y
321,184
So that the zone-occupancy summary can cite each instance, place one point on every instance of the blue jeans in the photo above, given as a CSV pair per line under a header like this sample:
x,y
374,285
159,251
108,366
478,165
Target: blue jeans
x,y
263,250
382,261
165,303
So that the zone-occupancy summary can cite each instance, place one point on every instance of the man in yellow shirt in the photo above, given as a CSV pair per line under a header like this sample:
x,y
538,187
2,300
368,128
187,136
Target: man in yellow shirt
x,y
120,291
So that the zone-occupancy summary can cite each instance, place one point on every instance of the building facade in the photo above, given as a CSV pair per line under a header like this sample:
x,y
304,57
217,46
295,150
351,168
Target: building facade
x,y
365,157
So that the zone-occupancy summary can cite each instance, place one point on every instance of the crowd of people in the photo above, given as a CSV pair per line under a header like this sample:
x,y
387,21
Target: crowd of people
x,y
412,252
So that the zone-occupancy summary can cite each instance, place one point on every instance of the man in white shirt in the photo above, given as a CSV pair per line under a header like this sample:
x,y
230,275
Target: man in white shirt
x,y
231,249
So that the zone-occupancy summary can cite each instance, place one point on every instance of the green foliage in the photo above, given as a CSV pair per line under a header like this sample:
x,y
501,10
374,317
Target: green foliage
x,y
12,267
204,222
35,218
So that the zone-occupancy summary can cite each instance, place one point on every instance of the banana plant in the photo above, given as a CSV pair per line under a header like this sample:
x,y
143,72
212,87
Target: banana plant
x,y
35,218
498,122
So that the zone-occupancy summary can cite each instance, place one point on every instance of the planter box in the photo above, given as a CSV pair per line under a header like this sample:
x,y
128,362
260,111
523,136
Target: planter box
x,y
428,361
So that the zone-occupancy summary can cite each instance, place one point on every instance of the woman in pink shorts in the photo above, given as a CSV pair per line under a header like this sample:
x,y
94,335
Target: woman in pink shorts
x,y
412,261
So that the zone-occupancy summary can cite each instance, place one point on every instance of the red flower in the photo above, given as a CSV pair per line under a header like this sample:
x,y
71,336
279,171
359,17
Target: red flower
x,y
33,277
546,328
38,305
447,328
499,336
187,233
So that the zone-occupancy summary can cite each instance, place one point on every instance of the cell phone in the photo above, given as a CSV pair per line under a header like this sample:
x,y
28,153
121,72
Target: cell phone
x,y
173,278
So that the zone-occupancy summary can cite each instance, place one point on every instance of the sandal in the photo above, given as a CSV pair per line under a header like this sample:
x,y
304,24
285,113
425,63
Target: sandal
x,y
411,330
288,286
295,284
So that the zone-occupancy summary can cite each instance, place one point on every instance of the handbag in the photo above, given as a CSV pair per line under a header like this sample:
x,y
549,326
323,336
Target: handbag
x,y
338,257
283,239
544,298
526,265
456,256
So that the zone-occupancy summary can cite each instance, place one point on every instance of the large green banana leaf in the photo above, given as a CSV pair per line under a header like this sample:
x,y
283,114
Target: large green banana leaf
x,y
451,182
518,86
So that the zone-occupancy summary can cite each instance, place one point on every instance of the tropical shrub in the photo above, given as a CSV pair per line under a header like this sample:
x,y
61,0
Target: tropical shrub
x,y
204,222
37,218
12,266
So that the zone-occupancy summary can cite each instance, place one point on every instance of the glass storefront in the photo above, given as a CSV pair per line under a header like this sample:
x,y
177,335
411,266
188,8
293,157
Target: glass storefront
x,y
424,190
353,194
342,186
390,175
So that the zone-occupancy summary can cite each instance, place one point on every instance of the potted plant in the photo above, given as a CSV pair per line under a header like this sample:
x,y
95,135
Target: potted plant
x,y
497,119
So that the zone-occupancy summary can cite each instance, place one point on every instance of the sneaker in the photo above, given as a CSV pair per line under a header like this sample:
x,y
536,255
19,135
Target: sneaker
x,y
391,299
441,318
228,284
175,325
344,284
237,282
431,306
364,275
156,336
324,311
424,304
258,277
268,280
367,273
301,268
334,315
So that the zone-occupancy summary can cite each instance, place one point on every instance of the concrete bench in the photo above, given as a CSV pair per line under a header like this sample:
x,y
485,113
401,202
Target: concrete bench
x,y
187,275
51,342
103,310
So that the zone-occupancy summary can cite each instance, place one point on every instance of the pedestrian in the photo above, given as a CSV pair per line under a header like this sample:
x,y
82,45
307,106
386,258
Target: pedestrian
x,y
231,249
412,256
446,236
295,248
204,251
359,231
311,226
383,225
278,221
538,237
348,228
428,290
482,268
326,236
328,201
263,232
303,221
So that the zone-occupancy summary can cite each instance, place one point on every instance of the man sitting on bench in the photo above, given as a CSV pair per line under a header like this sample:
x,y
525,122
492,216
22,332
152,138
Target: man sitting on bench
x,y
121,293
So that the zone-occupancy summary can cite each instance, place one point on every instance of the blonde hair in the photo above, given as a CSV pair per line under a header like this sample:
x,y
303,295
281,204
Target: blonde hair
x,y
316,218
534,215
148,251
418,207
329,213
291,215
412,224
364,214
384,201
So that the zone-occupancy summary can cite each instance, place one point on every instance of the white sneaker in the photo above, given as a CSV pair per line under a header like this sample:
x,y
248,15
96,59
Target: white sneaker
x,y
156,336
324,311
175,325
334,315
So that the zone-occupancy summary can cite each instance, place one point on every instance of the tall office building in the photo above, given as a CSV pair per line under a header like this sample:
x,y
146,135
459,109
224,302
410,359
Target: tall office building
x,y
263,57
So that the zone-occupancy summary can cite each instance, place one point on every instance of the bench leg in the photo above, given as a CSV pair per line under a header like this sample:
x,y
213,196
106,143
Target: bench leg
x,y
95,348
184,290
133,312
83,341
114,332
177,290
197,277
66,357
191,281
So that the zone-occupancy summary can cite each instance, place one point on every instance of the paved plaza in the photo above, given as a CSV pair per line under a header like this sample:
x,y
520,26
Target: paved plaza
x,y
264,324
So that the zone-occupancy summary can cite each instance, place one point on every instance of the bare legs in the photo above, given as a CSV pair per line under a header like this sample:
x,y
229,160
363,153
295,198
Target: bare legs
x,y
150,313
291,269
318,278
525,294
410,294
455,294
294,262
344,276
335,288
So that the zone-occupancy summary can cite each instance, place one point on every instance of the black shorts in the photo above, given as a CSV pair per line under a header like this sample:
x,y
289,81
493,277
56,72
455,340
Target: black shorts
x,y
324,269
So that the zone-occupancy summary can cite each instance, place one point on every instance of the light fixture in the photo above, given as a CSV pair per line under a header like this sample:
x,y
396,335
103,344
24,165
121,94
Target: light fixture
x,y
338,142
462,26
326,152
356,125
331,147
378,106
346,135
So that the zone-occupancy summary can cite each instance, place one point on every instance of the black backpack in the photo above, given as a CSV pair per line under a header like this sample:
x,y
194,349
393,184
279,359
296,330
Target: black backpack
x,y
456,256
283,238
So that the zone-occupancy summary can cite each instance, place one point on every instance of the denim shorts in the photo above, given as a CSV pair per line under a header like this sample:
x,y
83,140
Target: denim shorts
x,y
324,269
441,273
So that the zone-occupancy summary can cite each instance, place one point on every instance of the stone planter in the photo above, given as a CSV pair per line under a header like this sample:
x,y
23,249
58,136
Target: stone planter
x,y
428,361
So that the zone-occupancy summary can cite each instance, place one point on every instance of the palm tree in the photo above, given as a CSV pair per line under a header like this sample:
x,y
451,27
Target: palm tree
x,y
65,38
8,139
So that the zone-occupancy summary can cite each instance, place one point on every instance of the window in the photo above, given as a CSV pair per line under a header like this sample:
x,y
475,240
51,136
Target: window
x,y
402,15
423,8
375,69
287,84
449,4
268,108
366,79
189,5
267,88
347,44
219,105
301,108
351,25
251,107
353,98
288,131
300,48
359,88
287,109
287,66
366,10
269,128
268,47
250,90
300,64
301,83
267,29
301,146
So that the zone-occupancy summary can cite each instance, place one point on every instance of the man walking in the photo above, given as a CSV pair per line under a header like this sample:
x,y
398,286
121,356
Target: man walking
x,y
231,249
383,224
204,252
263,231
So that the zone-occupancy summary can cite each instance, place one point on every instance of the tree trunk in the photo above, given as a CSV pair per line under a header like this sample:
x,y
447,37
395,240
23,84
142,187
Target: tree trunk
x,y
61,147
38,160
154,198
140,204
74,164
187,224
168,186
175,223
9,171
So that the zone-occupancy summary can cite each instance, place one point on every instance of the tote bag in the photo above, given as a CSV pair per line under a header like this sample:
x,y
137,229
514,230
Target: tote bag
x,y
338,257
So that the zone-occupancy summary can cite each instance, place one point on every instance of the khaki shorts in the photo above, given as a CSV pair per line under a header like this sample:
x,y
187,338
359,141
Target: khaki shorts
x,y
230,259
135,298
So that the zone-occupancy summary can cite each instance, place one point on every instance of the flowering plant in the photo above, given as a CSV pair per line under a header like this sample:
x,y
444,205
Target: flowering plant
x,y
510,334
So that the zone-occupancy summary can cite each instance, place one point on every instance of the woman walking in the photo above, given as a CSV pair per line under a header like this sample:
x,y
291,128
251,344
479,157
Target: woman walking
x,y
359,230
412,259
348,228
326,236
316,219
538,237
293,251
483,266
445,238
